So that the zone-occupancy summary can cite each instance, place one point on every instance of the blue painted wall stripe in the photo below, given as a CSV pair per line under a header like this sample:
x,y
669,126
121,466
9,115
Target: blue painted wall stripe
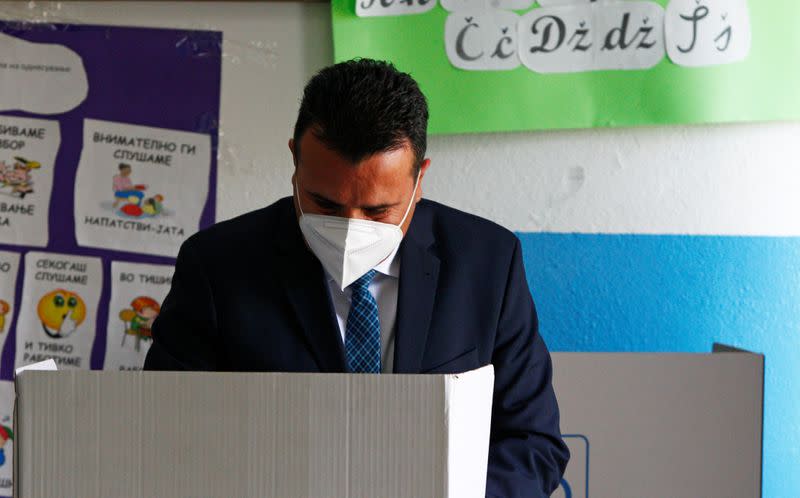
x,y
663,293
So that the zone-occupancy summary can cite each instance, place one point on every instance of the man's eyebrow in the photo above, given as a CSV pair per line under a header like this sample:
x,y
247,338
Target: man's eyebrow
x,y
328,202
378,207
324,200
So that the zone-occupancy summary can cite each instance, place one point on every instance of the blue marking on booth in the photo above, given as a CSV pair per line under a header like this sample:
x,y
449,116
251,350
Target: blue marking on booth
x,y
675,293
575,483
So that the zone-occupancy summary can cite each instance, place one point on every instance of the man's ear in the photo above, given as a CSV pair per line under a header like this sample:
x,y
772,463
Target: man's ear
x,y
294,161
422,169
291,149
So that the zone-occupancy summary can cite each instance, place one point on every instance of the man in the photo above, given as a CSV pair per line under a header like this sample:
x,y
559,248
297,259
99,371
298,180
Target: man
x,y
357,273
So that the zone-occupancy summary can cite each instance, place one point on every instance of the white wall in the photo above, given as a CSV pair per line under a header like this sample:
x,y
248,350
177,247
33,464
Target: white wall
x,y
724,179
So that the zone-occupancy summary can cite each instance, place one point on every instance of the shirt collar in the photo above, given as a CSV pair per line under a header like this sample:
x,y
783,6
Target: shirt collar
x,y
391,265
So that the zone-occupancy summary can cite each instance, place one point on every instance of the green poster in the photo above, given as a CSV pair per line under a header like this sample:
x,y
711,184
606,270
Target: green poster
x,y
560,64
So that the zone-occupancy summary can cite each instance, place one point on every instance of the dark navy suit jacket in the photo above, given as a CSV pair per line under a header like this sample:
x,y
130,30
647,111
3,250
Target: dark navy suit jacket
x,y
248,295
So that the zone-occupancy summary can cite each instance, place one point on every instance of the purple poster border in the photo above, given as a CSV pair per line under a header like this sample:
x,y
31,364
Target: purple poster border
x,y
163,78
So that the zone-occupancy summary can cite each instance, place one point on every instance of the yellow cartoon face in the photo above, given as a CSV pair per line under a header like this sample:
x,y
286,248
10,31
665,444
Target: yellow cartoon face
x,y
61,312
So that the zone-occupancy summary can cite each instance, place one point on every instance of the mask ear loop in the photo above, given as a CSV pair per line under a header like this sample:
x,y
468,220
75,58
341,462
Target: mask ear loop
x,y
297,196
411,202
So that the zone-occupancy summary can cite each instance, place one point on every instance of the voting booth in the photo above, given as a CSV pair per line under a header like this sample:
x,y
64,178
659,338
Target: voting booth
x,y
642,425
637,425
261,435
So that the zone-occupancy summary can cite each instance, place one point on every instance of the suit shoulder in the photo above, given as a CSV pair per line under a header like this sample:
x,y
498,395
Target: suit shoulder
x,y
466,229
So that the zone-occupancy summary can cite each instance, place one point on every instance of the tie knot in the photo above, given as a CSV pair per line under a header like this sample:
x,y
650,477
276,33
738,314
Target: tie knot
x,y
363,281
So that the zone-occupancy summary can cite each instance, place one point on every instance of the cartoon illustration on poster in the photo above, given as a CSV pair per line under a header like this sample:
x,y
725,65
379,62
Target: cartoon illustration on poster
x,y
9,268
140,189
6,436
137,291
28,149
59,303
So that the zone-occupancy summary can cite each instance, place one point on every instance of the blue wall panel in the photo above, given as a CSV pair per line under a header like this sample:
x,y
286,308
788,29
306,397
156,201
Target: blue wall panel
x,y
680,294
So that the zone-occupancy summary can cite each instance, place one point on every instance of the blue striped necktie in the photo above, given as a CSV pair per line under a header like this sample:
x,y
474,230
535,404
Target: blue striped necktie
x,y
362,340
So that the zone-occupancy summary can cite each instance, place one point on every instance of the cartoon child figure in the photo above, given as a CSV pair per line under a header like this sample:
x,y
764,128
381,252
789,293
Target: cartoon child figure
x,y
139,320
4,309
19,177
6,434
61,312
124,189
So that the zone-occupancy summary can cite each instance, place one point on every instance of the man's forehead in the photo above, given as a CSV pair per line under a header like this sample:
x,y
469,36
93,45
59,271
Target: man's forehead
x,y
379,181
319,160
377,203
312,145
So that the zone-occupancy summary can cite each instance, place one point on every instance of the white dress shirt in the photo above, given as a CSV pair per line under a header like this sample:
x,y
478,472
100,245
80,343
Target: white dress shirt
x,y
384,287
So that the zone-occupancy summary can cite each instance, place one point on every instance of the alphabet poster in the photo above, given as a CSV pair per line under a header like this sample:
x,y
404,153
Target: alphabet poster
x,y
508,65
108,145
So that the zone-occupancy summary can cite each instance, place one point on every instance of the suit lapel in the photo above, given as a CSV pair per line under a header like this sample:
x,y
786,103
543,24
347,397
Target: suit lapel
x,y
304,281
419,274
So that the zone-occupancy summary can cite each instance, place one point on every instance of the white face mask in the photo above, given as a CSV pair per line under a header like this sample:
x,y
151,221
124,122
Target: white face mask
x,y
347,247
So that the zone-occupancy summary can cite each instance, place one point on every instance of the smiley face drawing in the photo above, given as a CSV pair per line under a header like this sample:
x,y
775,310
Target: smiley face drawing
x,y
61,312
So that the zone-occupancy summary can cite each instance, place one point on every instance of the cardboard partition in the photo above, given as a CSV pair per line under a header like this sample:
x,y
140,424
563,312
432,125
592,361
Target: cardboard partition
x,y
170,434
656,425
637,425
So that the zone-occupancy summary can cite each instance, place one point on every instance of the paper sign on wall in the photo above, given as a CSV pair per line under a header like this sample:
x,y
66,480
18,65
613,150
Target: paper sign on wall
x,y
556,3
566,64
9,268
371,8
41,78
7,436
564,36
28,149
707,33
625,35
482,39
60,296
473,5
140,189
137,291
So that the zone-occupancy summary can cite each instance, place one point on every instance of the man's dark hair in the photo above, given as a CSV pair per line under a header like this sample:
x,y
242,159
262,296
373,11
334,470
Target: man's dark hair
x,y
361,107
